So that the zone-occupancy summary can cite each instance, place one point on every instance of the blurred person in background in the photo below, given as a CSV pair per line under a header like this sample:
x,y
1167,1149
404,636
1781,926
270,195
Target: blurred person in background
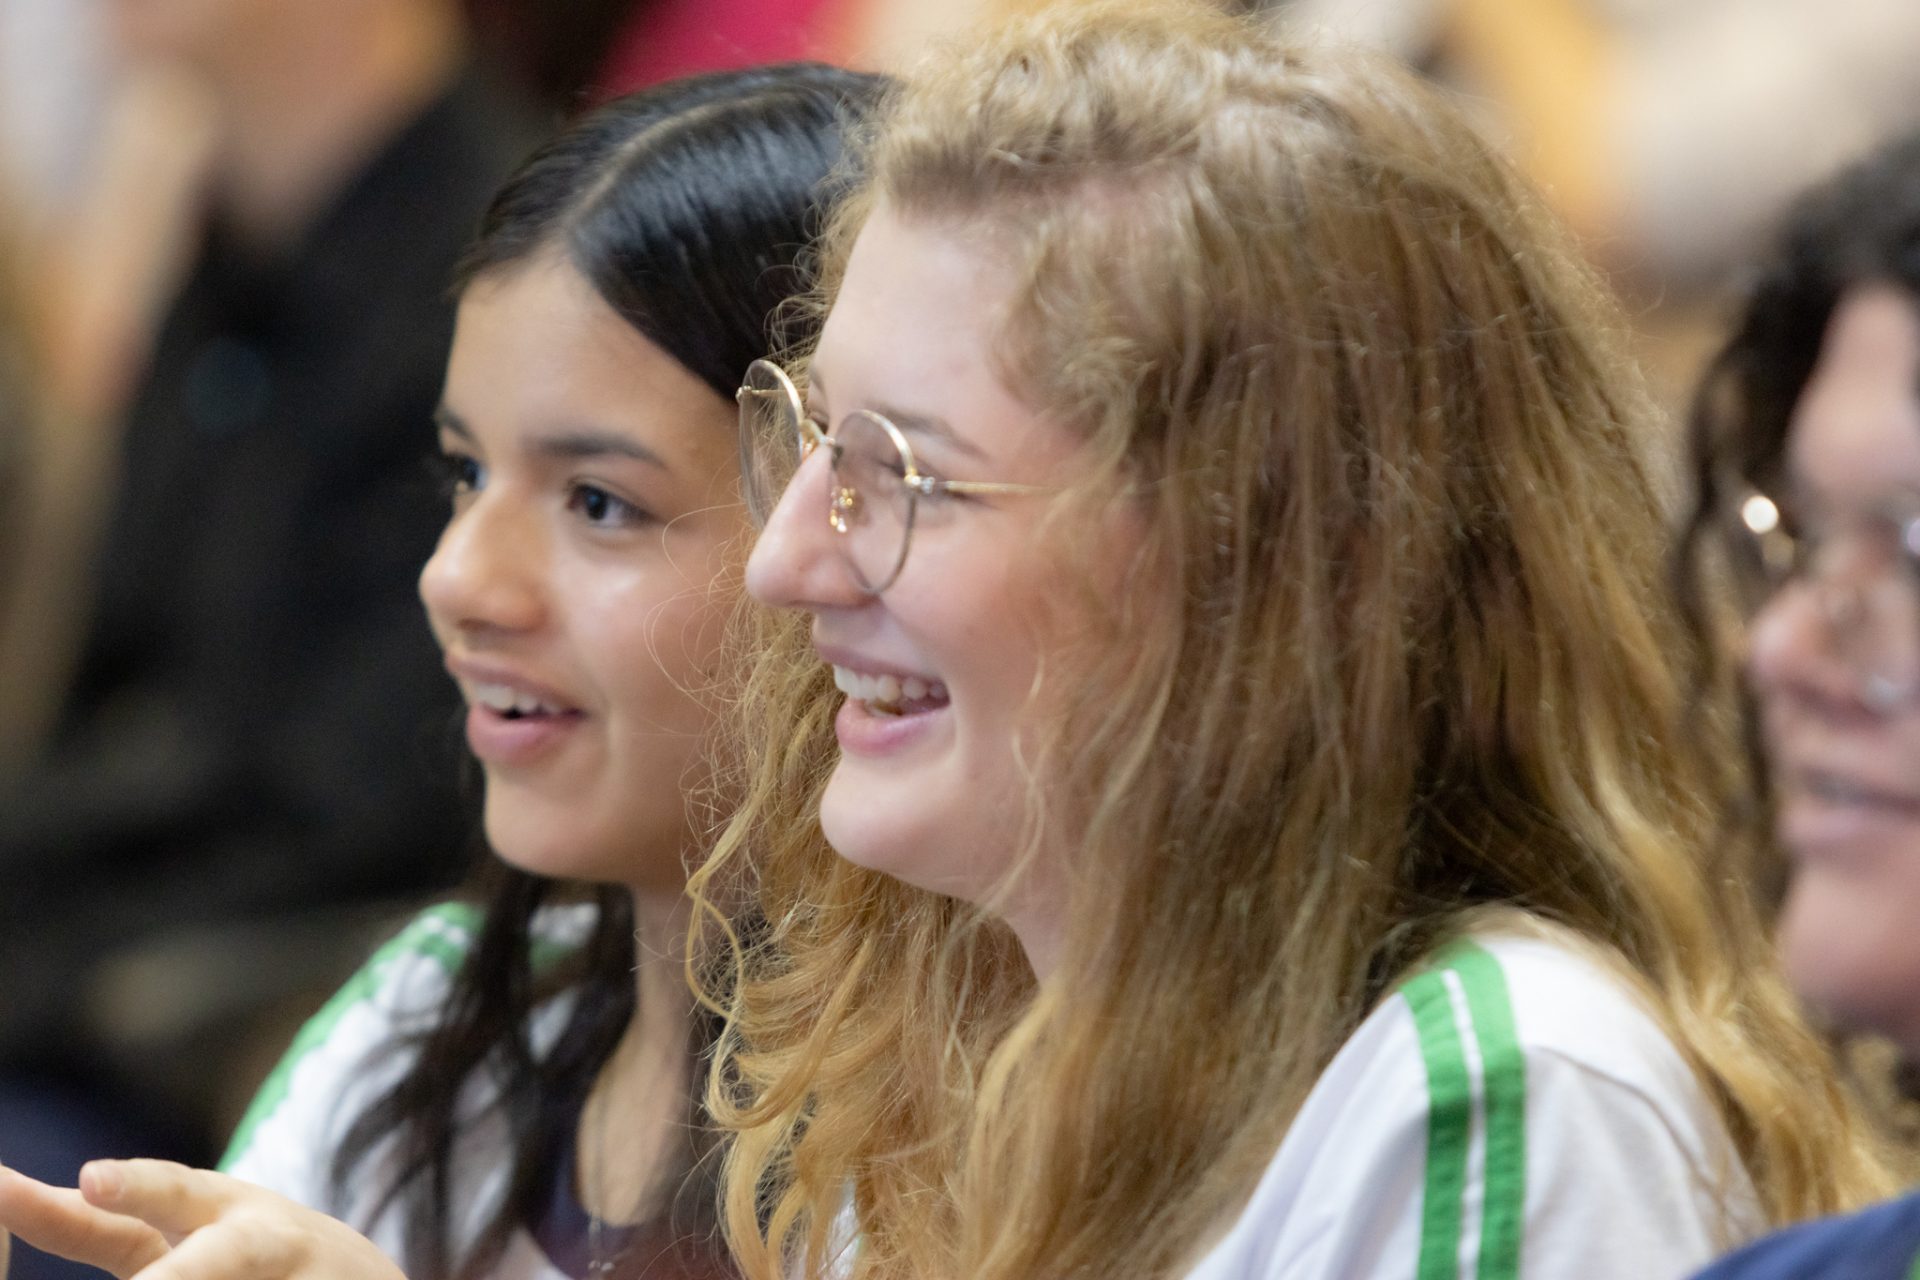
x,y
246,736
1806,454
1670,133
16,431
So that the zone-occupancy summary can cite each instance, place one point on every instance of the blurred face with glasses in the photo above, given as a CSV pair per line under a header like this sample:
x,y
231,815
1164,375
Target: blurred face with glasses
x,y
1831,571
902,497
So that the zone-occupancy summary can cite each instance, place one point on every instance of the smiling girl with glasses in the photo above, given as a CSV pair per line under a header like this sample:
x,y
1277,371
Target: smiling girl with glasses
x,y
1257,845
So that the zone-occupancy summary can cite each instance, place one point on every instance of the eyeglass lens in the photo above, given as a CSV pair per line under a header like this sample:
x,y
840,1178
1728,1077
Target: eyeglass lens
x,y
871,503
868,500
1865,582
770,438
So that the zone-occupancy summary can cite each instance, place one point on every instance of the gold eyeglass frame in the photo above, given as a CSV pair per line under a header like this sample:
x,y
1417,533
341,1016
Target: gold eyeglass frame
x,y
843,501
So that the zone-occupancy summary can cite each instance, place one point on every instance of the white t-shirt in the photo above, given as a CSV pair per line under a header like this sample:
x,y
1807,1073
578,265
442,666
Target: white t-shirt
x,y
353,1051
1511,1111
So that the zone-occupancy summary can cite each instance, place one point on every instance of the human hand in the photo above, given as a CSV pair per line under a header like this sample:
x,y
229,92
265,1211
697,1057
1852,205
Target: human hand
x,y
163,1221
60,1221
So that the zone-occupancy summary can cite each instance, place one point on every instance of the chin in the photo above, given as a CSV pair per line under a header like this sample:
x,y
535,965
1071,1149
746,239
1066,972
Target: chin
x,y
918,848
1845,960
853,837
541,839
865,834
639,851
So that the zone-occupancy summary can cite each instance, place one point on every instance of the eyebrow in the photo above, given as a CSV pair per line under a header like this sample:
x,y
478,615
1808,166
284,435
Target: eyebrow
x,y
447,420
916,423
568,445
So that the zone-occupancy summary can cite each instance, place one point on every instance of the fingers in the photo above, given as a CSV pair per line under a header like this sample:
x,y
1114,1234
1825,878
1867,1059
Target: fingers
x,y
270,1238
243,1246
170,1197
61,1222
225,1229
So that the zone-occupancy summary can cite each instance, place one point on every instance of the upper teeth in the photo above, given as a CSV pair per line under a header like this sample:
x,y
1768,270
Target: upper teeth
x,y
887,689
503,698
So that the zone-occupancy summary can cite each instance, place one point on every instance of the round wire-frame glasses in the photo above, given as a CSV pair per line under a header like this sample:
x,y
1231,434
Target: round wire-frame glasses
x,y
1865,576
874,485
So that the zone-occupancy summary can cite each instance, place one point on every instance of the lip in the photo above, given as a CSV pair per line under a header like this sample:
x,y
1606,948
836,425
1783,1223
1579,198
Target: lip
x,y
854,660
862,733
509,742
467,673
496,740
1836,815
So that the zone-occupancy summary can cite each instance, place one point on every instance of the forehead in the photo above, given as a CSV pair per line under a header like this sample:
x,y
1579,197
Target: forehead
x,y
922,302
1856,429
536,349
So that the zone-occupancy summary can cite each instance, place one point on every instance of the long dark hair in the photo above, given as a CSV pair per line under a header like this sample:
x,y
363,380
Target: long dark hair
x,y
688,208
1860,227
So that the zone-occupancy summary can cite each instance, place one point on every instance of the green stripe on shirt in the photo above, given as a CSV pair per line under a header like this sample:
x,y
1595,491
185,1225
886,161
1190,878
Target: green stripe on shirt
x,y
1449,1121
1502,1103
425,936
1503,1092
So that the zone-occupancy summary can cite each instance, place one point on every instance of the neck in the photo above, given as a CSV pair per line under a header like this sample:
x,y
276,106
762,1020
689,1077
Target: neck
x,y
298,126
665,1002
1035,909
632,1120
1042,940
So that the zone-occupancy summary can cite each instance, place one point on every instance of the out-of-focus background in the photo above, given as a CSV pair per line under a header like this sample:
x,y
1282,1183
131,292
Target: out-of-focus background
x,y
228,757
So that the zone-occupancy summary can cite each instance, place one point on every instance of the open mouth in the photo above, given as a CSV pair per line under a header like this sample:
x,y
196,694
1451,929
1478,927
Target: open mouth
x,y
513,704
1842,792
886,695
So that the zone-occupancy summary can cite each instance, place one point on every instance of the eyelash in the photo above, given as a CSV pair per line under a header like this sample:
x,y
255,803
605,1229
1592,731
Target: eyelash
x,y
456,475
617,512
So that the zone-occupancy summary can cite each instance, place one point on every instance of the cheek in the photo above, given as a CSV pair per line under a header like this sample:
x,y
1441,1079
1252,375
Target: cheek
x,y
660,653
1849,944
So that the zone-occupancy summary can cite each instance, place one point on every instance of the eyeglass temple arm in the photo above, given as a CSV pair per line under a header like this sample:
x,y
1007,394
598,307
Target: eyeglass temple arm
x,y
930,485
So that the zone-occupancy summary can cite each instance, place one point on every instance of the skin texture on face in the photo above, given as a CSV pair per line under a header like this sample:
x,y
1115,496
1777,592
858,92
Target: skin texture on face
x,y
1847,771
934,797
580,589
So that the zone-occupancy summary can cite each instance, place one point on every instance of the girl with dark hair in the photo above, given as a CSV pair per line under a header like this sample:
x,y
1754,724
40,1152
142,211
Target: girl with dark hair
x,y
1806,454
506,1089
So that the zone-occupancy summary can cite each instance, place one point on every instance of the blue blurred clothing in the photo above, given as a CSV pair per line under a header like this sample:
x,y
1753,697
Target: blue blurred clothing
x,y
1881,1243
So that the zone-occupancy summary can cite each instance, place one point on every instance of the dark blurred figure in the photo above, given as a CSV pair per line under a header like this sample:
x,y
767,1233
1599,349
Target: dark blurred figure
x,y
574,54
255,742
552,49
18,409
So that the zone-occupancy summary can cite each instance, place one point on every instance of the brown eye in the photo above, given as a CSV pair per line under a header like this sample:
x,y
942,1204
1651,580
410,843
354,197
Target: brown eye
x,y
603,509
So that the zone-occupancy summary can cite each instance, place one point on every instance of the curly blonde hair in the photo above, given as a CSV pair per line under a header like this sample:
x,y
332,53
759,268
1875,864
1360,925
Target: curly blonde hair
x,y
1405,660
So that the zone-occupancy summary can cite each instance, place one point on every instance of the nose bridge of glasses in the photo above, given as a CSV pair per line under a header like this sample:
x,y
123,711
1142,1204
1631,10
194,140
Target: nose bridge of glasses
x,y
1869,555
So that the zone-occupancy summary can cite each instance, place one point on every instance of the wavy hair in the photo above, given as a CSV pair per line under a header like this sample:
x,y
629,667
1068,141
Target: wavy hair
x,y
1399,656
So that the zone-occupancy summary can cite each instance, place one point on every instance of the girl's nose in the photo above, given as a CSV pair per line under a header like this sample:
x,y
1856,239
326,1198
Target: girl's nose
x,y
484,574
799,561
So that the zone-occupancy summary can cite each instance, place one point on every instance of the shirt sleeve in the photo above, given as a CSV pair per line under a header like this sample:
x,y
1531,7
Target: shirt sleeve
x,y
344,1058
1451,1147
